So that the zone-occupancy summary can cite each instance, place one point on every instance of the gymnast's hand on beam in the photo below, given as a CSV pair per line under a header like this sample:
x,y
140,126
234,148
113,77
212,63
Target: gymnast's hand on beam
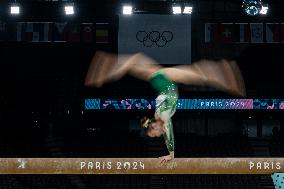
x,y
165,159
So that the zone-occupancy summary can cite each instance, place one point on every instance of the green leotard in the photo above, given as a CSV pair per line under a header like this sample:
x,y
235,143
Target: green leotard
x,y
166,103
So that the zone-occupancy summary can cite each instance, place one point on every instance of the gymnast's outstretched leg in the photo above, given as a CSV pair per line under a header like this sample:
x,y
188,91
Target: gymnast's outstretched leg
x,y
107,67
222,75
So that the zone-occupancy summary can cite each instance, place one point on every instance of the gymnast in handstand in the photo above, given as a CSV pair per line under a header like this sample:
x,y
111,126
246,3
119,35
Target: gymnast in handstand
x,y
222,75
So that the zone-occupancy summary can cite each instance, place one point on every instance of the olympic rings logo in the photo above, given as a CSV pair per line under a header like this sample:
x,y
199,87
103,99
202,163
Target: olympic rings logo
x,y
154,37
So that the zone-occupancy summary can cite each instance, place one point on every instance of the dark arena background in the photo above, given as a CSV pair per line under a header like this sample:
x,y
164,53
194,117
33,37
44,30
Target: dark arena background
x,y
47,112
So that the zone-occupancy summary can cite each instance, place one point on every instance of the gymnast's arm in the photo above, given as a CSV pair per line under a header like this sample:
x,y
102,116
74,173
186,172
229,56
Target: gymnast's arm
x,y
169,138
169,133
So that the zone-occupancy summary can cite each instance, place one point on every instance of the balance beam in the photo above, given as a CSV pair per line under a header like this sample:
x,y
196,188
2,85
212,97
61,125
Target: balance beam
x,y
141,166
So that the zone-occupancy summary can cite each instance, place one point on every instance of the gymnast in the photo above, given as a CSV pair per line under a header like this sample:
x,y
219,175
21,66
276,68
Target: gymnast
x,y
222,75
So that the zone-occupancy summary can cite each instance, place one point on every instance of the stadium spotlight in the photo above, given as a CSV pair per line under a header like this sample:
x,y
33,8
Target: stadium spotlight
x,y
187,9
176,9
252,7
14,9
264,9
69,9
127,9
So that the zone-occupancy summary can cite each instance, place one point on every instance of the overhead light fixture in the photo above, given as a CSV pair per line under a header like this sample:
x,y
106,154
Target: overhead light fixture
x,y
252,7
127,9
187,9
176,9
14,9
264,9
69,9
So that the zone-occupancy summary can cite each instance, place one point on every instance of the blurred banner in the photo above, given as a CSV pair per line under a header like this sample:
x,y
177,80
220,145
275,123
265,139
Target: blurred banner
x,y
210,32
4,33
226,33
87,32
165,38
141,166
243,32
272,32
256,32
282,32
36,32
72,32
187,104
60,32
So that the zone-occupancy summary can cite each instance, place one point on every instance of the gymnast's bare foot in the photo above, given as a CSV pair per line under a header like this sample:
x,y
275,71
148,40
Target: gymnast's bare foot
x,y
100,66
223,75
241,88
233,77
